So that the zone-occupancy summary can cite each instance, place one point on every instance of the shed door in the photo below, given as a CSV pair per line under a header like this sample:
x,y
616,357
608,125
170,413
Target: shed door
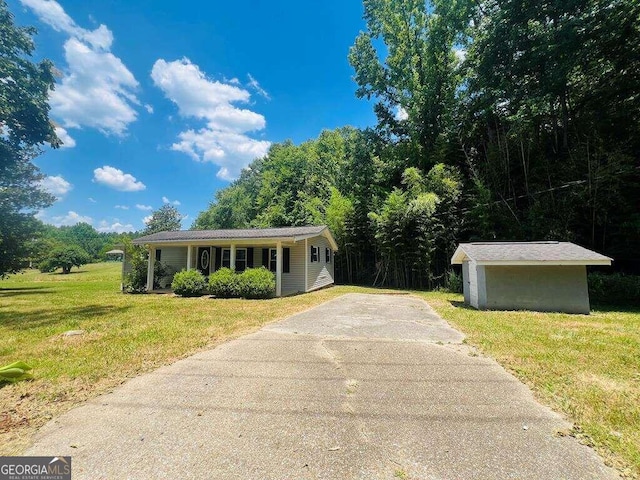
x,y
204,260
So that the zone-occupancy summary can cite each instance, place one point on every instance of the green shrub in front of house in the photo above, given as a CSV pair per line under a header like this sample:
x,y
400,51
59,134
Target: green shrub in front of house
x,y
252,283
257,283
224,283
189,283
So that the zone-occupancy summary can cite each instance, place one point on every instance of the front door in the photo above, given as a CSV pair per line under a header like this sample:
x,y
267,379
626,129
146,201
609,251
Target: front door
x,y
204,260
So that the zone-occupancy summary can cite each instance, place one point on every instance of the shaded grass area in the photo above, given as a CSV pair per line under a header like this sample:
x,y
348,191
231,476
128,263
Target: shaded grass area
x,y
585,366
125,336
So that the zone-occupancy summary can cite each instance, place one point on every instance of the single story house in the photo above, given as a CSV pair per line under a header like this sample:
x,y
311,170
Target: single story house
x,y
543,276
302,258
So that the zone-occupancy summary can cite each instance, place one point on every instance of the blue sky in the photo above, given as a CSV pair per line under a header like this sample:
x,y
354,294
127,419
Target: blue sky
x,y
165,102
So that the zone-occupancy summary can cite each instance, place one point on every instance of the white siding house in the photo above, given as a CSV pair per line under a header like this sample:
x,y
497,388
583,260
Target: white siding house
x,y
302,258
543,276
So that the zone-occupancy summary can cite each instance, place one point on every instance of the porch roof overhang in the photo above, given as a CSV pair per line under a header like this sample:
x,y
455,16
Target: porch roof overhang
x,y
254,236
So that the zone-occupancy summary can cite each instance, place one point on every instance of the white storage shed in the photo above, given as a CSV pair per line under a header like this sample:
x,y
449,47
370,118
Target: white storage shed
x,y
542,276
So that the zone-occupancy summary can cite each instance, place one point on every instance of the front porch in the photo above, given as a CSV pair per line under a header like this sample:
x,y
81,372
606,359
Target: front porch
x,y
210,257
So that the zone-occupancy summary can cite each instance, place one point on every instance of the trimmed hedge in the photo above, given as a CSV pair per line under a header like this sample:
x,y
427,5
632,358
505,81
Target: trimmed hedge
x,y
252,283
189,283
615,288
257,283
224,283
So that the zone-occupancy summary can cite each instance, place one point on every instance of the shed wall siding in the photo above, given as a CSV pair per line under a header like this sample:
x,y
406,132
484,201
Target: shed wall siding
x,y
542,288
465,281
320,274
473,284
481,279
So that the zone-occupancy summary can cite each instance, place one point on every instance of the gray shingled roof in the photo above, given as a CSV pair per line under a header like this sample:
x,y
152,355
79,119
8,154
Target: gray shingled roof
x,y
239,234
515,252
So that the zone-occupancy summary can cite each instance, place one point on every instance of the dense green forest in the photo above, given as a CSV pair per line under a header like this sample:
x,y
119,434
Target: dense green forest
x,y
497,120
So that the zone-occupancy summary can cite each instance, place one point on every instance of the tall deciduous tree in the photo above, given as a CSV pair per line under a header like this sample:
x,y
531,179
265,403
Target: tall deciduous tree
x,y
415,84
166,218
25,125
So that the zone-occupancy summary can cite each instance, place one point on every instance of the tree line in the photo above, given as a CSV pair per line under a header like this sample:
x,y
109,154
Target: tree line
x,y
53,247
496,120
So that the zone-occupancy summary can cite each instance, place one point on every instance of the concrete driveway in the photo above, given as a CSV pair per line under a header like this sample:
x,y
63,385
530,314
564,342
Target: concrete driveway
x,y
362,387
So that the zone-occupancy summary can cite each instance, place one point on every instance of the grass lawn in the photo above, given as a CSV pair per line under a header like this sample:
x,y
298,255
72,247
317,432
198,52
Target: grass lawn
x,y
125,336
585,366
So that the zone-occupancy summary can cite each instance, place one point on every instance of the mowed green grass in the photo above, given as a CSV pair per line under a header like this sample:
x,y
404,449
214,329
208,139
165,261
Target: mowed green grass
x,y
125,336
585,366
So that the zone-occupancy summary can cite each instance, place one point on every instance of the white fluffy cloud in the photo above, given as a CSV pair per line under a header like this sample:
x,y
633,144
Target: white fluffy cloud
x,y
147,219
97,90
71,218
67,141
224,140
116,227
171,202
117,179
144,207
56,185
122,207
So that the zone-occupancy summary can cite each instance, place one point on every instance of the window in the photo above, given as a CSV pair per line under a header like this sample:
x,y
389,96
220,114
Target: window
x,y
158,255
315,254
327,255
272,259
269,259
241,259
226,257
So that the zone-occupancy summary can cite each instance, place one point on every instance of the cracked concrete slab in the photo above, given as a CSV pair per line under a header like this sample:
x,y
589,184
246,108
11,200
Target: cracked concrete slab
x,y
303,399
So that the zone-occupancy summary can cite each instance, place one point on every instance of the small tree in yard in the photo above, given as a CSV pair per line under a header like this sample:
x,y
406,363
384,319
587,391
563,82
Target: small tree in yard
x,y
65,258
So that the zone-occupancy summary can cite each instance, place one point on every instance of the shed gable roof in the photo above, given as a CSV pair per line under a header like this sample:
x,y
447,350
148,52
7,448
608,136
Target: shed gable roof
x,y
527,253
293,233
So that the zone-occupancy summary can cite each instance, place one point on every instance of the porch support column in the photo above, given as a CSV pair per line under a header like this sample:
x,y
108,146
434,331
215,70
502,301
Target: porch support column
x,y
189,257
232,254
279,269
152,260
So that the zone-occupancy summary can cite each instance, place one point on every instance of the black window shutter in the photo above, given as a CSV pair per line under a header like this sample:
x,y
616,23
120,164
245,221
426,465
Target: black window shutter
x,y
265,258
218,258
158,255
286,260
250,257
